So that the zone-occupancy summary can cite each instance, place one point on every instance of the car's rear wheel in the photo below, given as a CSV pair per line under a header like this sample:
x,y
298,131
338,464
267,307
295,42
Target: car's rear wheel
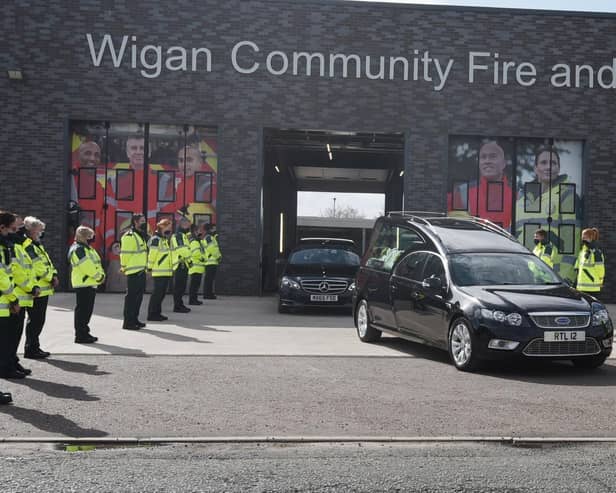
x,y
590,362
365,331
462,346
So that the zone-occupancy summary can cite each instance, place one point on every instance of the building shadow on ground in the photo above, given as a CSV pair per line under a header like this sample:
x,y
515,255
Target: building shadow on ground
x,y
57,390
52,423
75,367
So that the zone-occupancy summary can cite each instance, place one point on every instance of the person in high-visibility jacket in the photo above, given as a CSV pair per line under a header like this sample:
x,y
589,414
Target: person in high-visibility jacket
x,y
550,202
212,260
182,261
133,263
26,289
9,304
590,264
160,265
543,248
197,269
87,273
47,279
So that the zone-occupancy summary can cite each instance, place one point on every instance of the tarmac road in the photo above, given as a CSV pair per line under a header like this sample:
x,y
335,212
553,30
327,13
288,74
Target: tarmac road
x,y
309,468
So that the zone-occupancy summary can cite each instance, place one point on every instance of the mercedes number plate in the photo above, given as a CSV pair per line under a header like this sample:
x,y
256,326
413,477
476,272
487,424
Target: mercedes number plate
x,y
323,297
564,336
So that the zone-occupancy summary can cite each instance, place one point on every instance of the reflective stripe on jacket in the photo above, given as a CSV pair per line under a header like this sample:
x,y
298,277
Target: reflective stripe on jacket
x,y
87,267
590,266
7,288
44,269
160,261
133,253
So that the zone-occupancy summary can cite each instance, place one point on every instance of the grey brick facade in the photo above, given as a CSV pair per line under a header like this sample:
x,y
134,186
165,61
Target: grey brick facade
x,y
47,40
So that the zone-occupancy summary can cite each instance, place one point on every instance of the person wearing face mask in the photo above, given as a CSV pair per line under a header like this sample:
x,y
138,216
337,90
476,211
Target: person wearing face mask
x,y
182,262
87,273
212,259
197,269
590,264
160,264
47,279
9,303
543,248
133,262
26,287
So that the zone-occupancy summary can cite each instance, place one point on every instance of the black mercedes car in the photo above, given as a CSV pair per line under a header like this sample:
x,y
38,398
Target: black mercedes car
x,y
319,272
467,286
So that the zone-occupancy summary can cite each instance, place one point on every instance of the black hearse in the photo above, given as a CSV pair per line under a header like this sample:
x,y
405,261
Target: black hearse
x,y
467,286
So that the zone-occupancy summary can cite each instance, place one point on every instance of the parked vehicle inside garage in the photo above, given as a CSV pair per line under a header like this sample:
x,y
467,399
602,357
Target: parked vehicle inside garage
x,y
467,286
319,272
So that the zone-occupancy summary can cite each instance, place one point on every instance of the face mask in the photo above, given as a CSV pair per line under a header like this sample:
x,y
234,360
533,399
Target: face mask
x,y
41,235
586,243
91,240
167,233
143,227
537,241
21,230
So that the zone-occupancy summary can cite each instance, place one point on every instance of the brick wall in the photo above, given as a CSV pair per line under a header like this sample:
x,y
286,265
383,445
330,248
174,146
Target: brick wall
x,y
46,39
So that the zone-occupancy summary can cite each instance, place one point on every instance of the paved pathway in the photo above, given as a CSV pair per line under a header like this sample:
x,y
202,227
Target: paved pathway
x,y
226,326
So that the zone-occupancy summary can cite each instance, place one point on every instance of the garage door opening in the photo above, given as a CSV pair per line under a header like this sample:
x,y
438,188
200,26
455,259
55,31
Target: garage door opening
x,y
305,170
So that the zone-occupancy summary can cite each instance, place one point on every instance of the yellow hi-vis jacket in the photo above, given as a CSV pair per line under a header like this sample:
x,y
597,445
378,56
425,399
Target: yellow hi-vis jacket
x,y
180,247
133,253
87,268
7,288
23,276
44,269
212,250
197,254
545,253
160,261
590,266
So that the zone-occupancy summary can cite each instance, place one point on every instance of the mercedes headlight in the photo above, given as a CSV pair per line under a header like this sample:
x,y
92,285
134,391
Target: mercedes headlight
x,y
287,282
502,317
352,287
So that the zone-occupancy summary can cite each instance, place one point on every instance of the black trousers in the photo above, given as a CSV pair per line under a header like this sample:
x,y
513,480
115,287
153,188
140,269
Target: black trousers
x,y
16,331
208,283
8,326
36,321
84,309
193,289
180,279
158,295
135,287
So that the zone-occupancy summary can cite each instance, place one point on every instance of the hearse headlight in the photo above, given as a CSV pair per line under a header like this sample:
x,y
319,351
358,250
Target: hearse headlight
x,y
499,316
352,287
600,317
287,282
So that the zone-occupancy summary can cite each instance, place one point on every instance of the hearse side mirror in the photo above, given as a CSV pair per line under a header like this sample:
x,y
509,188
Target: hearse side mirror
x,y
433,283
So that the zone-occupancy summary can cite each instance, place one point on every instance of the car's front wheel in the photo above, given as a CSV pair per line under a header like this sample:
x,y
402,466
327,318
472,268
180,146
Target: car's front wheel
x,y
462,346
365,331
590,362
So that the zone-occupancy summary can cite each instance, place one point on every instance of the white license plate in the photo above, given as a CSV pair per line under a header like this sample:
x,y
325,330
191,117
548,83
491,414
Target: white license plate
x,y
323,297
564,336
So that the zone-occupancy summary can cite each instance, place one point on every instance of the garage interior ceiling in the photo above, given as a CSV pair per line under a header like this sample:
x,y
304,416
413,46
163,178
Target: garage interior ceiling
x,y
334,161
